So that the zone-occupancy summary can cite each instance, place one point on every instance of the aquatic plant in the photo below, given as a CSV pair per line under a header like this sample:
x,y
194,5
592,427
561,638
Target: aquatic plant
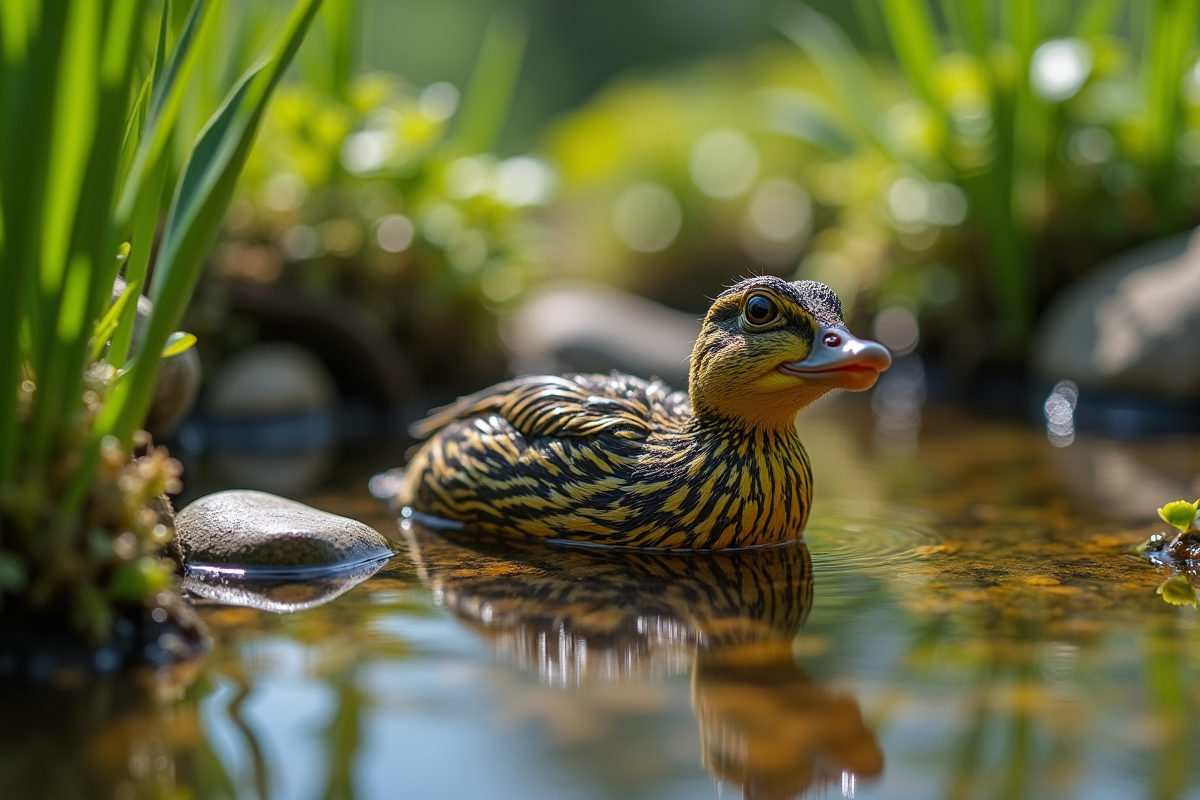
x,y
84,137
367,187
1178,591
1180,552
1181,514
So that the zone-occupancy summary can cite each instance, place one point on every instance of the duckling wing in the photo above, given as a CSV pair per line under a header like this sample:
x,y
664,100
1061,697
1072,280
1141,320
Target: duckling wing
x,y
576,406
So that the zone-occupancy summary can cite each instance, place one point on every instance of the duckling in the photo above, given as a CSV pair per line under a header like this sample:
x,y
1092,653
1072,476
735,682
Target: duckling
x,y
619,461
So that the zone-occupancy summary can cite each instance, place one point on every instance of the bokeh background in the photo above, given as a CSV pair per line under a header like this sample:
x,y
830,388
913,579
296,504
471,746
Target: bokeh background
x,y
447,194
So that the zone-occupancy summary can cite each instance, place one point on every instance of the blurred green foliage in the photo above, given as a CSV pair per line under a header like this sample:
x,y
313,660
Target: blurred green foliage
x,y
386,194
995,153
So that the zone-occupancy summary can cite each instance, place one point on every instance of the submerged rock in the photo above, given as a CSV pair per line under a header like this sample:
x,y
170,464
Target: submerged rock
x,y
241,528
274,379
587,327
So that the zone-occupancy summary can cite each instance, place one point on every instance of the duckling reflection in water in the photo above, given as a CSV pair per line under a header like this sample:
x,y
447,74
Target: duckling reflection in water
x,y
615,460
584,616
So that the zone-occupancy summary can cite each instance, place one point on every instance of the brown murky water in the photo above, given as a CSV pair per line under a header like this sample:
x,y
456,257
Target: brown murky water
x,y
962,622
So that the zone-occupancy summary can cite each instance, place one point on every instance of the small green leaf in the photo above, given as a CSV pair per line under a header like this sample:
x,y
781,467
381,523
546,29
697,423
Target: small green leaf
x,y
1178,592
123,371
178,342
108,323
493,80
1181,514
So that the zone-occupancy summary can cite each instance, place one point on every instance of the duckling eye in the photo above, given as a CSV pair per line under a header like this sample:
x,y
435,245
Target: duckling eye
x,y
760,310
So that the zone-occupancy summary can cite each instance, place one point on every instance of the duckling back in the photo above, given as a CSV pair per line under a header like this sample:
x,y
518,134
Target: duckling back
x,y
608,460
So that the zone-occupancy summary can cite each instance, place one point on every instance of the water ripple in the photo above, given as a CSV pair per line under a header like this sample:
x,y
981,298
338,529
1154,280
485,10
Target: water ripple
x,y
867,540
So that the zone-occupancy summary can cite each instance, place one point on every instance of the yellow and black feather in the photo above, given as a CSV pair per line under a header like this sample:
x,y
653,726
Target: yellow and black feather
x,y
617,460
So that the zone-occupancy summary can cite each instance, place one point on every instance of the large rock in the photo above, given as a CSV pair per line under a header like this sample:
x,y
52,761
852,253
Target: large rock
x,y
588,327
1132,326
242,528
273,379
178,378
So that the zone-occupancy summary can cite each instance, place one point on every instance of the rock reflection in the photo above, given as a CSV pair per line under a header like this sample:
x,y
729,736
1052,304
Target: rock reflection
x,y
270,590
581,616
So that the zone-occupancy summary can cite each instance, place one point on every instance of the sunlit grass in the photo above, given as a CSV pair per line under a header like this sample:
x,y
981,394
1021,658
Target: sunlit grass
x,y
84,166
1000,89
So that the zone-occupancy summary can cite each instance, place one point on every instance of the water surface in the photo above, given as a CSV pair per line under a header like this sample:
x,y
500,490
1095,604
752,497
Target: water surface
x,y
962,621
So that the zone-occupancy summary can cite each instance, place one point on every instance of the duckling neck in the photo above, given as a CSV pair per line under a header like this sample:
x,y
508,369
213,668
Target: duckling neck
x,y
773,413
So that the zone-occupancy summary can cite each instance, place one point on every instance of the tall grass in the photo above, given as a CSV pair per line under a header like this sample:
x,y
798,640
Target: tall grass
x,y
89,102
978,77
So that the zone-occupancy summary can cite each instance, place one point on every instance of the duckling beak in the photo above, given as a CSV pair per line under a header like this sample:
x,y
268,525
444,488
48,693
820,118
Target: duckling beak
x,y
840,361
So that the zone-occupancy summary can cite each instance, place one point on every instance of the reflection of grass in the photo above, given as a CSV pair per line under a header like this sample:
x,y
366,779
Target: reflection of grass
x,y
343,737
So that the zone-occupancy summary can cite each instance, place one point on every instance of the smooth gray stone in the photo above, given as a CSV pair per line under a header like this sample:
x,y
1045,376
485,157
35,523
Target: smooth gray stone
x,y
178,378
589,327
1132,325
273,379
241,528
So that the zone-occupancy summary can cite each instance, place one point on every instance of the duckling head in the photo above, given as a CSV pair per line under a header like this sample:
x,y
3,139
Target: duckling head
x,y
769,347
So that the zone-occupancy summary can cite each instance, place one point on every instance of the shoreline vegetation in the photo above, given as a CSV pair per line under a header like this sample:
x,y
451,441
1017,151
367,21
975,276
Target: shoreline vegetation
x,y
91,188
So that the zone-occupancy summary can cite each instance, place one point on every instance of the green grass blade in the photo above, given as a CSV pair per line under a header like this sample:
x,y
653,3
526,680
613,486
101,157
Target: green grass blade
x,y
145,224
1096,17
92,266
202,195
158,63
800,115
915,41
493,81
842,67
330,55
28,74
341,23
74,124
133,128
136,123
165,103
1026,168
1170,34
75,113
108,323
16,23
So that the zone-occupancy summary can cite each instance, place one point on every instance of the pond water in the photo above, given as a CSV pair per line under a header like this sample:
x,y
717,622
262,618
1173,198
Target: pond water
x,y
963,621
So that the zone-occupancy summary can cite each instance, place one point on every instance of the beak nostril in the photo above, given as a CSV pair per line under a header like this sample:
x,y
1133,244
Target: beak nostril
x,y
832,340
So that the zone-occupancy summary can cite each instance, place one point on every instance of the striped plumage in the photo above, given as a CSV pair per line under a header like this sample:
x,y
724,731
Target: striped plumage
x,y
615,460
